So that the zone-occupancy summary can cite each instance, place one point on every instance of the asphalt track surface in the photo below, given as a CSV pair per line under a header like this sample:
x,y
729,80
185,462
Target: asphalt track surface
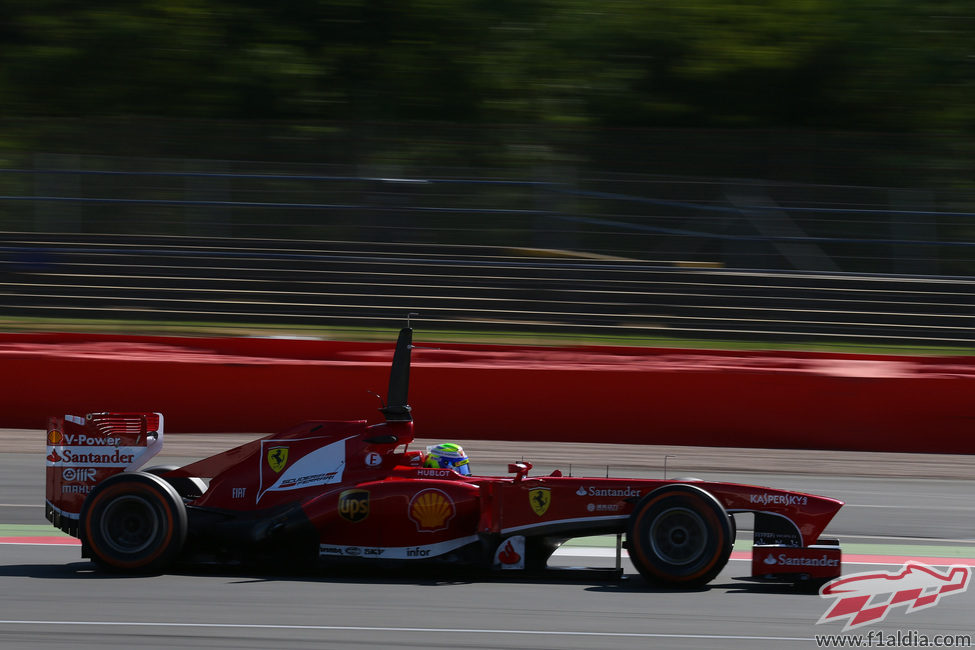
x,y
51,598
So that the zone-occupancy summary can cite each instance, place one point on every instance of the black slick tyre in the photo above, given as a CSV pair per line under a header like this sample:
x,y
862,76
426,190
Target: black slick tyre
x,y
679,536
133,522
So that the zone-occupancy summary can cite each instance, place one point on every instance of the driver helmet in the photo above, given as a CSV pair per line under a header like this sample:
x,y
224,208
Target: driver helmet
x,y
448,456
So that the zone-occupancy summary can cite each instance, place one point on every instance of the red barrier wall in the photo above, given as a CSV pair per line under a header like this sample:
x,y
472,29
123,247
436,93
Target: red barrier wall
x,y
585,394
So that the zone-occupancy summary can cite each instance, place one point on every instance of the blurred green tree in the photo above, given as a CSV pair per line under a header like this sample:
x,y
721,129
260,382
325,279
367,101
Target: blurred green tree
x,y
875,64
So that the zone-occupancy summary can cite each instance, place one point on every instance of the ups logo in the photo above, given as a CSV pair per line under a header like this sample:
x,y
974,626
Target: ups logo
x,y
354,505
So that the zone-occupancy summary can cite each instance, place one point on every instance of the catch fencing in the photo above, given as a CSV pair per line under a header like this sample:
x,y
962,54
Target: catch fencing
x,y
644,257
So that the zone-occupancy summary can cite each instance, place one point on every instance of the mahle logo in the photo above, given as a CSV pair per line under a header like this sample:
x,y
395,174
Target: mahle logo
x,y
866,598
354,505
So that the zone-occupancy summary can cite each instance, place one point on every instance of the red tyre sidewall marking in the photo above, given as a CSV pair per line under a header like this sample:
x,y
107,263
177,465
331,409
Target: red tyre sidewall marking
x,y
131,488
707,512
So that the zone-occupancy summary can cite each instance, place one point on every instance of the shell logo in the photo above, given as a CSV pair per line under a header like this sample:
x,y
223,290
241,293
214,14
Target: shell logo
x,y
55,437
431,509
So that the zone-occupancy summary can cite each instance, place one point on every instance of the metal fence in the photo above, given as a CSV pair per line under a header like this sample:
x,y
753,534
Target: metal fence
x,y
734,222
598,254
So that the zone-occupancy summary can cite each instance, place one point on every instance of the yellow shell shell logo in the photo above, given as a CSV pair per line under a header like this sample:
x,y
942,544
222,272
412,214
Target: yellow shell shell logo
x,y
430,510
54,437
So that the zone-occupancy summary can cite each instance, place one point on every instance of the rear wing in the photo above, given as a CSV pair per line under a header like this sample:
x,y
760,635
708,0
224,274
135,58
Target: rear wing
x,y
84,451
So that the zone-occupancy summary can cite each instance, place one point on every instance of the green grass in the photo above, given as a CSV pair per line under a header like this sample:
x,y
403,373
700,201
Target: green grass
x,y
386,332
609,541
918,550
30,530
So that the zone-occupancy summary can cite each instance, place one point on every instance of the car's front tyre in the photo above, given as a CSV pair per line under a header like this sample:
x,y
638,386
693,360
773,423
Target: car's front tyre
x,y
679,536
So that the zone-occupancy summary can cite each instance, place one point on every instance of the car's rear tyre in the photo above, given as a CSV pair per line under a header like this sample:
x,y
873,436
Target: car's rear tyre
x,y
188,487
134,522
679,536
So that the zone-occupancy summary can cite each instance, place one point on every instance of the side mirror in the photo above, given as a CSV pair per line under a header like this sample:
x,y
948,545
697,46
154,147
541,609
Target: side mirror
x,y
520,470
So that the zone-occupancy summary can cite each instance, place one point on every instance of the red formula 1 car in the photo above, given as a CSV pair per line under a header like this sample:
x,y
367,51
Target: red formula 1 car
x,y
346,491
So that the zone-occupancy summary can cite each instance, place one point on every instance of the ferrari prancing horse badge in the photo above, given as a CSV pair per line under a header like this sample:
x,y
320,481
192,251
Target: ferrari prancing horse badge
x,y
277,458
540,499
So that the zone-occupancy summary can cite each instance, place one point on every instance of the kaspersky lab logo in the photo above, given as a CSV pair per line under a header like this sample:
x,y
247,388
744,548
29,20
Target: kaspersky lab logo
x,y
866,598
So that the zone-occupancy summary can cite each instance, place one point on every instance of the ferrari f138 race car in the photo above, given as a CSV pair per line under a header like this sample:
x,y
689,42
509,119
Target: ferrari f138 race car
x,y
329,491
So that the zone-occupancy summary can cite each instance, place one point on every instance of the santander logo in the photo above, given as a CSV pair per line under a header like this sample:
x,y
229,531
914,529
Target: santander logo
x,y
866,598
508,554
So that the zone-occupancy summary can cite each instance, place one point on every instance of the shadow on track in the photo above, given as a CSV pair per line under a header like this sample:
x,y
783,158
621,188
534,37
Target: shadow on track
x,y
74,570
406,576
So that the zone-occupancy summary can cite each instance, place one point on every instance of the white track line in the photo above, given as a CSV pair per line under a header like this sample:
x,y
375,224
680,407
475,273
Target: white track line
x,y
581,552
562,552
609,552
420,630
